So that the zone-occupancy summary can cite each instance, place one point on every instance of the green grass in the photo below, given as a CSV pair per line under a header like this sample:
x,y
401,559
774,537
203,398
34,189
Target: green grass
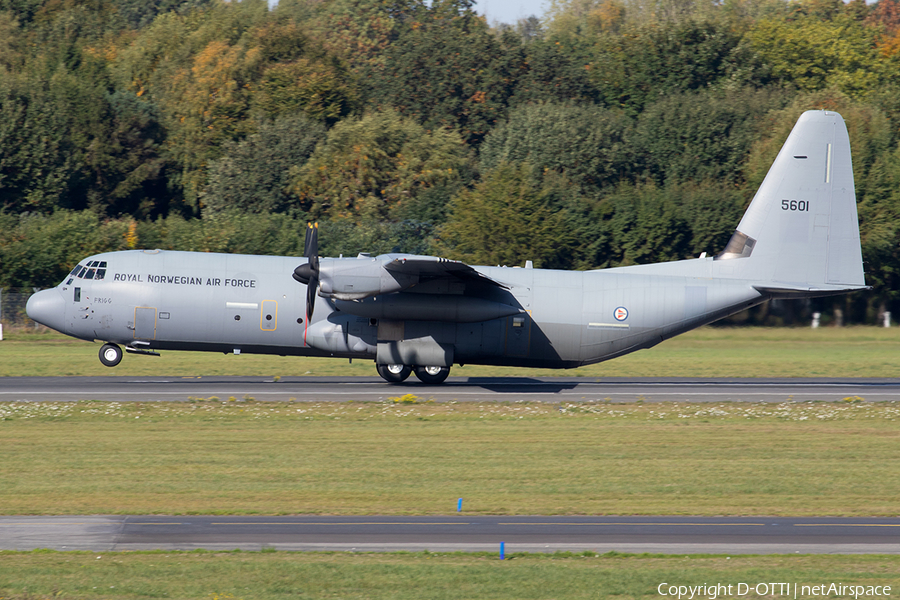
x,y
233,576
215,457
707,352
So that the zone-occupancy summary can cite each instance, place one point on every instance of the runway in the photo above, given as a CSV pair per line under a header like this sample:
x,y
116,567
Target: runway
x,y
545,389
659,534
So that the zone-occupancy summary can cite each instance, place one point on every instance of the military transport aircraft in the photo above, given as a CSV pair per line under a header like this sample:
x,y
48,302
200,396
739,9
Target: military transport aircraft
x,y
798,239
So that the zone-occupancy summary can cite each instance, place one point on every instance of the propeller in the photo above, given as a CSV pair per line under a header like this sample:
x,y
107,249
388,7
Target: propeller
x,y
308,274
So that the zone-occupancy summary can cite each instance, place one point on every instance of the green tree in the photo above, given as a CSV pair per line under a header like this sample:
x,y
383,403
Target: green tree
x,y
198,68
557,72
253,174
38,161
646,225
588,144
447,69
39,250
319,89
818,46
509,217
870,135
702,135
372,167
645,63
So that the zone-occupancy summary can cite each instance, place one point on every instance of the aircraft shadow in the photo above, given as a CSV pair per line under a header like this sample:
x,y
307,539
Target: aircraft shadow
x,y
516,385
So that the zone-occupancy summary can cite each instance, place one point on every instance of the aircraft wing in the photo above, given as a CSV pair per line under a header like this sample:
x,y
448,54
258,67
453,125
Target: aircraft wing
x,y
427,268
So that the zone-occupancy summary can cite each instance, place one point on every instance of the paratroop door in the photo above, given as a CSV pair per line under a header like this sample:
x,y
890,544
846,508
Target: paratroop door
x,y
144,323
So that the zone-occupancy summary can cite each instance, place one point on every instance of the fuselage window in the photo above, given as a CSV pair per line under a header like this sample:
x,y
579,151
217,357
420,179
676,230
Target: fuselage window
x,y
77,294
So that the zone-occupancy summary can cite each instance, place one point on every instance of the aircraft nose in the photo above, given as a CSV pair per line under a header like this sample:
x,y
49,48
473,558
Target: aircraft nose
x,y
47,307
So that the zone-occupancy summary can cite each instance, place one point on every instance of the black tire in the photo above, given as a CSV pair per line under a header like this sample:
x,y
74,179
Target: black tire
x,y
394,373
433,375
110,355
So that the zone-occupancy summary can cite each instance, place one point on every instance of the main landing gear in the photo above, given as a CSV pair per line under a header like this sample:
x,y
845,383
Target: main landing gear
x,y
399,373
110,355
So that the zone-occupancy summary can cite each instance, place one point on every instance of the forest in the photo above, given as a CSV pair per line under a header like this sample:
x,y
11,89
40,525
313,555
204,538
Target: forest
x,y
608,132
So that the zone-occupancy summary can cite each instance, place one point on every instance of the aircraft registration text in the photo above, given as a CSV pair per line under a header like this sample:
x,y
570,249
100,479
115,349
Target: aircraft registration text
x,y
797,205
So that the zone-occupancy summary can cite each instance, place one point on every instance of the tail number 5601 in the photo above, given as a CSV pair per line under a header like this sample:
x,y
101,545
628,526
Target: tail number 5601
x,y
795,205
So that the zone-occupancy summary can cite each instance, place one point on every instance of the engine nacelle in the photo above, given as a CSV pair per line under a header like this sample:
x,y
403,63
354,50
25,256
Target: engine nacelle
x,y
358,278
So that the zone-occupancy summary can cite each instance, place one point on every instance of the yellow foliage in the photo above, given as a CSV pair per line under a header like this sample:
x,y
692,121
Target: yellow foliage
x,y
131,237
890,46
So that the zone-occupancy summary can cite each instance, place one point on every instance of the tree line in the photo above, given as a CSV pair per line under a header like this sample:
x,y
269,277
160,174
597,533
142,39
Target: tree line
x,y
611,132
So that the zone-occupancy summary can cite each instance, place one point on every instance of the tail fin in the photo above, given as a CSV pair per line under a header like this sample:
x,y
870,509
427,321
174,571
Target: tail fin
x,y
801,231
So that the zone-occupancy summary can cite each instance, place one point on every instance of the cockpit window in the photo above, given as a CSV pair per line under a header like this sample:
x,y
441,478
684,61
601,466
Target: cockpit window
x,y
95,269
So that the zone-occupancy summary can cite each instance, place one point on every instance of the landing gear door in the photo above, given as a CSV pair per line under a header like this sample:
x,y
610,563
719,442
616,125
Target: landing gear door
x,y
144,323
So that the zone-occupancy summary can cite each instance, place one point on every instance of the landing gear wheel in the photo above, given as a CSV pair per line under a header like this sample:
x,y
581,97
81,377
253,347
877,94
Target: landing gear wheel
x,y
110,355
433,375
394,373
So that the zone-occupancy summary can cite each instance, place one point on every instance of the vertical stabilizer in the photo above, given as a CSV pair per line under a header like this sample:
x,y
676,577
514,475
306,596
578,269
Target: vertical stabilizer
x,y
801,230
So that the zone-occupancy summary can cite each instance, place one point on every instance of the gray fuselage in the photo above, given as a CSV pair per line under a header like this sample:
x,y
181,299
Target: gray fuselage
x,y
166,300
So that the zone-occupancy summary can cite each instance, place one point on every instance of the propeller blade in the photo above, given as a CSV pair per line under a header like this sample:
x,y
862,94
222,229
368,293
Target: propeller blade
x,y
309,273
311,289
311,243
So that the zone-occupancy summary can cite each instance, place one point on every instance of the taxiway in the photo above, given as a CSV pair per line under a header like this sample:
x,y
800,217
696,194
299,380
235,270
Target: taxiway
x,y
654,534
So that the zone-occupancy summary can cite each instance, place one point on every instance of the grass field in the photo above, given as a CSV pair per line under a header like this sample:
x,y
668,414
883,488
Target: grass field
x,y
220,457
281,575
706,352
214,456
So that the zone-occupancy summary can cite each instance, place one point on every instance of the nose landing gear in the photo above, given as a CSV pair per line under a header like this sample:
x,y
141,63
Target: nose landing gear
x,y
110,355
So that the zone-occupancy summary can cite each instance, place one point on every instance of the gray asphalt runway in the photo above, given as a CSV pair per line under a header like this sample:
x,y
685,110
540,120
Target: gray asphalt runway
x,y
660,534
547,389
